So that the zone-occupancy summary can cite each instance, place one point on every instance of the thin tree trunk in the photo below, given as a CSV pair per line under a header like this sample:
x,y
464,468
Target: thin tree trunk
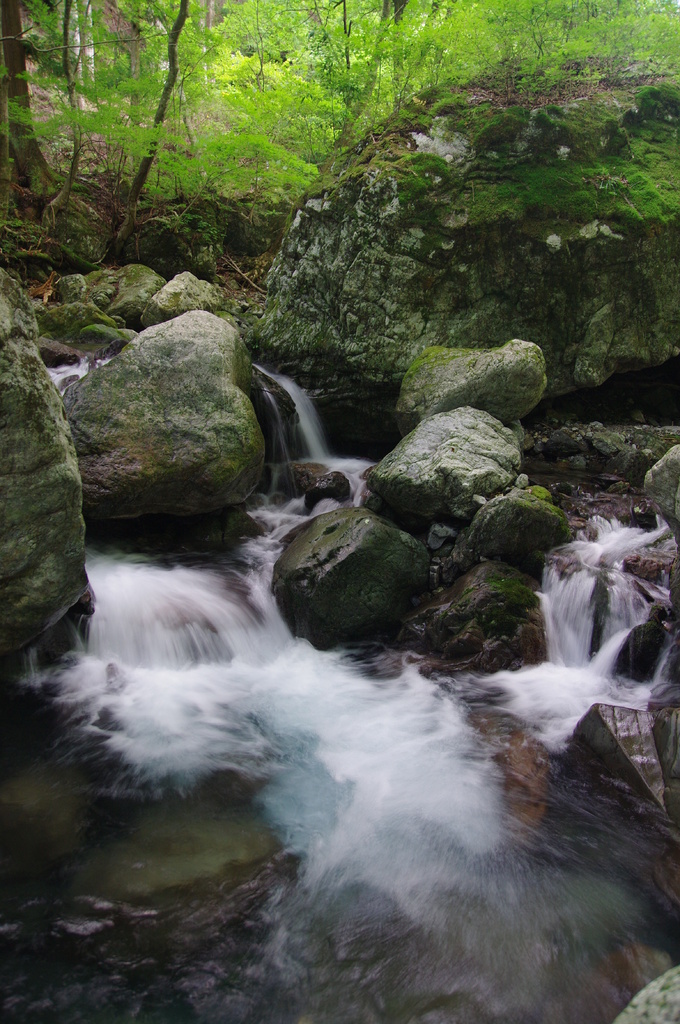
x,y
142,174
5,163
60,201
30,164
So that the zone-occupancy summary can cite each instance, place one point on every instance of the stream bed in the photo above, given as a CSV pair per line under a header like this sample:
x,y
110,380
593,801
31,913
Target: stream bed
x,y
214,822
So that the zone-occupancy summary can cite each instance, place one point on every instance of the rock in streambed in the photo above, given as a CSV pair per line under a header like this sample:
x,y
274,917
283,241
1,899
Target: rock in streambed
x,y
167,426
349,576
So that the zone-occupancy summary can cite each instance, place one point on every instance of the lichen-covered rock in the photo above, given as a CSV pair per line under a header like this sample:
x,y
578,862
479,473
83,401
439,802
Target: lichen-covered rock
x,y
446,463
70,321
167,426
180,295
489,620
125,291
80,228
463,225
72,288
662,484
350,575
658,1003
507,382
513,527
42,532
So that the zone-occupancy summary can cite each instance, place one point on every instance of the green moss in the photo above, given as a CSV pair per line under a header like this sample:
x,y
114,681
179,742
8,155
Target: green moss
x,y
541,492
515,600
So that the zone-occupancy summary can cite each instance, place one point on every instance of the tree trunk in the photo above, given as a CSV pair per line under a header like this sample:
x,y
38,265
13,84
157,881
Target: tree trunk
x,y
5,163
30,164
60,201
127,227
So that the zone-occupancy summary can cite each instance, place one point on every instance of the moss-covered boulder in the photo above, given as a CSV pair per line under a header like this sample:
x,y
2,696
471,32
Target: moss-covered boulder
x,y
349,576
70,322
124,291
507,382
662,484
489,620
180,295
515,528
466,223
80,229
42,533
446,465
167,426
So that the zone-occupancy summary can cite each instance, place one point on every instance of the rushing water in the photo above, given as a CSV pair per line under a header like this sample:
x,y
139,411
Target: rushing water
x,y
241,828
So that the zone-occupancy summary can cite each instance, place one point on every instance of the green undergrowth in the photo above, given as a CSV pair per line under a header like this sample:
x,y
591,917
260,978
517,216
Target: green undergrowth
x,y
612,158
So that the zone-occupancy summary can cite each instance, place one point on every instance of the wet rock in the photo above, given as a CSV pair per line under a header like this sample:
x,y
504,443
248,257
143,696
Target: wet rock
x,y
182,294
658,1003
513,528
446,464
489,620
54,353
525,763
618,976
42,814
316,482
623,738
42,533
651,566
562,444
640,653
662,484
506,382
166,427
214,532
176,850
350,575
276,414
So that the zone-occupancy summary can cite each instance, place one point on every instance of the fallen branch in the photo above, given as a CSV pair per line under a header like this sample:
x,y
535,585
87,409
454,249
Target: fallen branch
x,y
244,276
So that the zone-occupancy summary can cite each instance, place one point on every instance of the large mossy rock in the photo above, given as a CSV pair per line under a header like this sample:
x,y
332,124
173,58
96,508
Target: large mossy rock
x,y
507,382
42,533
80,229
662,484
124,291
657,1003
465,224
514,527
181,295
446,464
70,321
167,426
489,620
349,576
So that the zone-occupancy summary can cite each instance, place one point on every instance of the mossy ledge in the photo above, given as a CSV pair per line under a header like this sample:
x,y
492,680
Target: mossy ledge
x,y
465,224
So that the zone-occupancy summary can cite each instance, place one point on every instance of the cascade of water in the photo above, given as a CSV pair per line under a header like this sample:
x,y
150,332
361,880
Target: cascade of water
x,y
310,441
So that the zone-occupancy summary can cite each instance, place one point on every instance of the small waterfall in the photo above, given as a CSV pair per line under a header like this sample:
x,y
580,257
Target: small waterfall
x,y
310,441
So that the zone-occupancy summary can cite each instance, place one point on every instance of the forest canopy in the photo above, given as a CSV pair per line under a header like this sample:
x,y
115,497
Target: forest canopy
x,y
259,94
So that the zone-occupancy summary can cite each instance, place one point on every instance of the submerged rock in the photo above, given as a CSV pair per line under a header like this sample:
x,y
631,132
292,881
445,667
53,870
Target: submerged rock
x,y
642,648
507,382
42,533
42,814
181,295
445,465
178,850
489,620
350,575
166,426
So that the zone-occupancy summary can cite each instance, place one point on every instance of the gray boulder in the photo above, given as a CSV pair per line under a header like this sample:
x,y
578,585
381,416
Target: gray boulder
x,y
507,382
445,465
662,484
167,426
350,575
180,295
658,1003
42,532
